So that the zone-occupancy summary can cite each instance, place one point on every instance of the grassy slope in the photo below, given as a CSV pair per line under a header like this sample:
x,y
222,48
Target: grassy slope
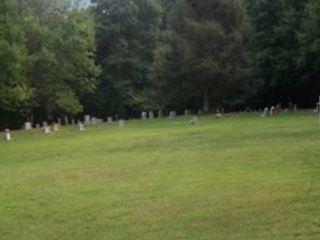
x,y
237,178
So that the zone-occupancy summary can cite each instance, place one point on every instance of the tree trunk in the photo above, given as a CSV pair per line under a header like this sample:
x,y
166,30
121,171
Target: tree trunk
x,y
206,101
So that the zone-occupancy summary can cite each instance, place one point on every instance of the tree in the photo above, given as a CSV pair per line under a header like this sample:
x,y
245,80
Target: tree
x,y
207,43
127,33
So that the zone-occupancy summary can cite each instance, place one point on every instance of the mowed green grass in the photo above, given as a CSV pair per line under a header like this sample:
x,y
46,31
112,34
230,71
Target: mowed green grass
x,y
243,177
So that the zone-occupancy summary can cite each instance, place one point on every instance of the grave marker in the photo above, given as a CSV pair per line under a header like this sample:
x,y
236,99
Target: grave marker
x,y
151,115
87,119
143,115
121,123
27,126
81,126
7,135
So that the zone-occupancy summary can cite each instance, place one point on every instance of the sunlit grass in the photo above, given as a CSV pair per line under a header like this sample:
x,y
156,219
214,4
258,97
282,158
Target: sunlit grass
x,y
242,177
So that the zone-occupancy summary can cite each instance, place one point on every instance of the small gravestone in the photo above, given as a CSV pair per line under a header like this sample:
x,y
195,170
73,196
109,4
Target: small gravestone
x,y
81,126
66,120
87,119
194,120
59,121
151,115
272,111
46,129
110,120
160,114
265,112
38,126
27,126
121,123
172,114
7,135
55,127
143,115
44,124
295,108
94,121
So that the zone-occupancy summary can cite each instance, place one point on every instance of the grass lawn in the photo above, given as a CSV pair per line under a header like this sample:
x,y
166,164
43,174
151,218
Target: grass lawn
x,y
242,177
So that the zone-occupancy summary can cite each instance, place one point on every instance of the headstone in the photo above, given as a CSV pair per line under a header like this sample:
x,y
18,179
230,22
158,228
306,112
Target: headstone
x,y
44,124
87,119
219,114
187,112
46,130
272,111
94,121
160,114
38,126
151,115
143,115
66,120
59,121
7,135
110,120
194,120
27,126
81,126
265,112
295,108
55,127
173,114
121,123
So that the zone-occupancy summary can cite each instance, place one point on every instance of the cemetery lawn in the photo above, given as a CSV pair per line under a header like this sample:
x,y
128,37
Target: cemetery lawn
x,y
242,177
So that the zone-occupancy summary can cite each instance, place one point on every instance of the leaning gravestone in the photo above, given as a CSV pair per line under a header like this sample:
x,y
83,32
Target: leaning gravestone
x,y
121,123
87,119
27,126
81,126
7,135
151,115
143,115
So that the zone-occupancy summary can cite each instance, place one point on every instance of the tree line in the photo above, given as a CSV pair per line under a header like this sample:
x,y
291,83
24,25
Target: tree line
x,y
125,56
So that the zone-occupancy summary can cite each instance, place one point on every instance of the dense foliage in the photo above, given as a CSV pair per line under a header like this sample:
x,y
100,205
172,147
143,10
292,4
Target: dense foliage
x,y
124,56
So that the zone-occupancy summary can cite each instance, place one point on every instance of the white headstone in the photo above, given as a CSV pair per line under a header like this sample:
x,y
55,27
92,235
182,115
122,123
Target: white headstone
x,y
55,127
81,126
121,123
59,121
27,126
194,120
265,112
110,120
87,119
143,115
151,115
46,130
172,114
7,135
44,124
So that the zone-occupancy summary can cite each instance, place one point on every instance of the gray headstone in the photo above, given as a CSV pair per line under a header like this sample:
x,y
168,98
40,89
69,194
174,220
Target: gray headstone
x,y
172,114
151,115
87,119
46,130
143,115
44,124
109,120
121,123
38,126
27,126
59,121
55,127
7,135
81,126
160,114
